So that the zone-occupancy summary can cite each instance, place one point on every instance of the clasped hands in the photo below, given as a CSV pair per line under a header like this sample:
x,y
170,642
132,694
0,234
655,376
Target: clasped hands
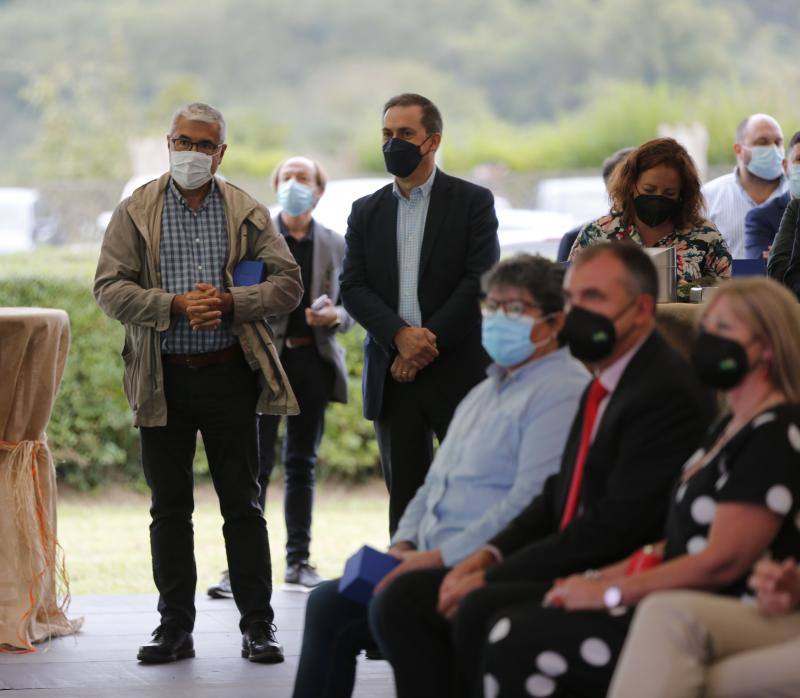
x,y
203,307
416,348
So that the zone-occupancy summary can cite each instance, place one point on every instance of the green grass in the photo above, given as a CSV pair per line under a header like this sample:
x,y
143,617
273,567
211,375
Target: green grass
x,y
105,535
63,262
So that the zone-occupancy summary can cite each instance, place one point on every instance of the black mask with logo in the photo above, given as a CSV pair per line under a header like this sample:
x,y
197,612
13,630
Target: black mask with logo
x,y
653,210
719,362
589,335
401,157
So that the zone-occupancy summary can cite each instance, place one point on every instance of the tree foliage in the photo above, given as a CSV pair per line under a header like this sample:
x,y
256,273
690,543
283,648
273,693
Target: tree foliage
x,y
78,78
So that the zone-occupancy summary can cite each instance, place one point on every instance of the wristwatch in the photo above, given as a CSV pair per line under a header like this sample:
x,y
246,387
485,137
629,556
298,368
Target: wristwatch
x,y
612,597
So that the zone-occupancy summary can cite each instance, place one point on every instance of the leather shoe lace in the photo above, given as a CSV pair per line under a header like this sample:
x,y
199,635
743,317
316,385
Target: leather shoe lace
x,y
169,644
260,645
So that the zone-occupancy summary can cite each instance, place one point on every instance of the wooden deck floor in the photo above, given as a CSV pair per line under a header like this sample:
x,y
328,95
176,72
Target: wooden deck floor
x,y
101,659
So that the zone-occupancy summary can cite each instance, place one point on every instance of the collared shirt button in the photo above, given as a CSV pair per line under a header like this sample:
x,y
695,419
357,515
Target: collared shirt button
x,y
199,267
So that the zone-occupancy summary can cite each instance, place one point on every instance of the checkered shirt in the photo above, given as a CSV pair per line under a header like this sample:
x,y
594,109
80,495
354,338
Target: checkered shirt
x,y
194,248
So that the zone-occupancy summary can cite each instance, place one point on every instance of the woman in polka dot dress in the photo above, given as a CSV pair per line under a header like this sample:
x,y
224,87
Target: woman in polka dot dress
x,y
737,500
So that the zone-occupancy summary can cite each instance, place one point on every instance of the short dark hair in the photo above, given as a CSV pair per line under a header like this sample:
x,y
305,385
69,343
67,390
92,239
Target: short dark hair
x,y
540,277
794,140
431,118
641,276
611,162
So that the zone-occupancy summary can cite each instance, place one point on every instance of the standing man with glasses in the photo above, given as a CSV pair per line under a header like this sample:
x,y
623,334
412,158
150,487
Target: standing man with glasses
x,y
313,359
416,250
198,357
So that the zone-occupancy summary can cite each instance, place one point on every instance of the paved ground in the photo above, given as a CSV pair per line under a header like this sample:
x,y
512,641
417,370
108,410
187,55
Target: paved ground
x,y
101,659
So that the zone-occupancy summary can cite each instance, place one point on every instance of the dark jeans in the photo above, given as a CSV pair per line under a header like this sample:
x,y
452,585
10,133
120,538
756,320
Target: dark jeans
x,y
335,631
311,379
411,414
218,401
432,656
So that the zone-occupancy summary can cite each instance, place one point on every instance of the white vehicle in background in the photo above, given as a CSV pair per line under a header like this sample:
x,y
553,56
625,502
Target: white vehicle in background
x,y
131,185
532,231
24,220
584,198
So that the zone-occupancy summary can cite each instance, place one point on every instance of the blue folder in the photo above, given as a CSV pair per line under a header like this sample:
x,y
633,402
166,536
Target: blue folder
x,y
749,267
363,571
247,273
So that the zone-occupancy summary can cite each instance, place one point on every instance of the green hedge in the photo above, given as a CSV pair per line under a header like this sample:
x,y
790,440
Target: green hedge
x,y
90,432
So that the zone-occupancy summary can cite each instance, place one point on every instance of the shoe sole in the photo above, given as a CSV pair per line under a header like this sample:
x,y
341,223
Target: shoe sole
x,y
268,658
184,654
218,594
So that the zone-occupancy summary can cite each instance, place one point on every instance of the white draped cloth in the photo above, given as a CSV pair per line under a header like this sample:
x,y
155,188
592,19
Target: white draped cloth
x,y
34,591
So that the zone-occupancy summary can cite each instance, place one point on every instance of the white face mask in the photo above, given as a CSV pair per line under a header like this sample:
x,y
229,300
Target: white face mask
x,y
190,169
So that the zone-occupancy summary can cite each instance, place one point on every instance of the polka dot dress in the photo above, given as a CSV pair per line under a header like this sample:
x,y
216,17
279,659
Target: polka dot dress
x,y
760,465
536,651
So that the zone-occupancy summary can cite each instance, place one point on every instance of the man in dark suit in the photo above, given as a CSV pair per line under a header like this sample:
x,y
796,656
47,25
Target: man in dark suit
x,y
761,223
416,250
639,420
311,356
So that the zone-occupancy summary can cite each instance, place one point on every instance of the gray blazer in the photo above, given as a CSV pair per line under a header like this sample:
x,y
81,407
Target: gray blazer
x,y
326,266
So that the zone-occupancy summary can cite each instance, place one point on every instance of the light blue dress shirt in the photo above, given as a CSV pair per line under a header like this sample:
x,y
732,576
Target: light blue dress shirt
x,y
505,439
411,216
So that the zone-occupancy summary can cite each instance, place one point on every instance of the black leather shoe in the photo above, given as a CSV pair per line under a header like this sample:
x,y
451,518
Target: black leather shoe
x,y
169,643
259,643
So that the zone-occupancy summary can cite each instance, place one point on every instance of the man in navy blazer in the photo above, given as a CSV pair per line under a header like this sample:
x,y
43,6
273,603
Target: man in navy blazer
x,y
416,251
761,223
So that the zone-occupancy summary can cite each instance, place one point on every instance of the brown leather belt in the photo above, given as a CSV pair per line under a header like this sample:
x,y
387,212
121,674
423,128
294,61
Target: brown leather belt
x,y
202,360
295,342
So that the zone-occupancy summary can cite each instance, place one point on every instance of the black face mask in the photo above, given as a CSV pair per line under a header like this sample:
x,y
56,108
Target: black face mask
x,y
653,210
401,157
718,362
590,336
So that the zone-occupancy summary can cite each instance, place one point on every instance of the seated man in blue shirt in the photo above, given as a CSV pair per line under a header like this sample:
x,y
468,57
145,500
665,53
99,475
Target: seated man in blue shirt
x,y
761,223
506,438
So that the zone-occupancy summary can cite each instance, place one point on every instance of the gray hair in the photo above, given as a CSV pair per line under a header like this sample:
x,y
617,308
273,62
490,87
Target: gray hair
x,y
198,111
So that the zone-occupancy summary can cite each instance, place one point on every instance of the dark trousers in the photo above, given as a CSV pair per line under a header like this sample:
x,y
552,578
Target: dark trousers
x,y
335,631
430,655
311,379
219,401
412,413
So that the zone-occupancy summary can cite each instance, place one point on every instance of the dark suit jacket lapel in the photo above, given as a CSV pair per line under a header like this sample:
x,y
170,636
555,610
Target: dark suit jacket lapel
x,y
437,211
319,263
385,228
630,380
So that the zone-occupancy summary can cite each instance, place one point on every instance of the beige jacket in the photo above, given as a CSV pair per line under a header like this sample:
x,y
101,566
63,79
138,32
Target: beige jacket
x,y
127,287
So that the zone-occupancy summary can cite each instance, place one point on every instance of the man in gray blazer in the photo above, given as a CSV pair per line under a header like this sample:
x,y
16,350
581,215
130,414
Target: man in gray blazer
x,y
313,359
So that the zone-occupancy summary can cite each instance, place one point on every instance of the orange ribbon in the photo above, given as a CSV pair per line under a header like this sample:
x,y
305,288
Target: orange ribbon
x,y
46,537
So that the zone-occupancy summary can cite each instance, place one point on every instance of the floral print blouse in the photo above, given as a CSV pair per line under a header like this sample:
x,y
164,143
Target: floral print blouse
x,y
700,250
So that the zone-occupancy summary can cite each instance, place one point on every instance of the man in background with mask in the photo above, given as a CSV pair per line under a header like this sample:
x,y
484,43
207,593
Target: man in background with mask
x,y
198,357
312,358
757,178
761,223
416,250
640,418
505,439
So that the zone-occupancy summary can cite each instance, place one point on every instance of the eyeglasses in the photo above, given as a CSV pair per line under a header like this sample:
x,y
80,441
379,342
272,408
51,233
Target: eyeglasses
x,y
183,144
511,309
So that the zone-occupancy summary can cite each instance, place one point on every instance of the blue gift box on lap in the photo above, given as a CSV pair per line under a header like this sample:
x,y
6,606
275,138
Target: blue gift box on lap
x,y
363,571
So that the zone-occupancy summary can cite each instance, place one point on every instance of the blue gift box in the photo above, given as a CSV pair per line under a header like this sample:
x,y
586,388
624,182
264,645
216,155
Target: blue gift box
x,y
363,571
248,273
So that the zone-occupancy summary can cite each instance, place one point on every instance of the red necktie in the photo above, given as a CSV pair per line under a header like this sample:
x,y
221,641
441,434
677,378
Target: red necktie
x,y
597,392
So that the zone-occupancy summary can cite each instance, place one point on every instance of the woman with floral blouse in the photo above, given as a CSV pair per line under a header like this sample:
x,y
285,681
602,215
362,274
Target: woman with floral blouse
x,y
656,202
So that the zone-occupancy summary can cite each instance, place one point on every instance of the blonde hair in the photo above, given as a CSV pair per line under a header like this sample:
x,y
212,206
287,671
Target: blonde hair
x,y
772,313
